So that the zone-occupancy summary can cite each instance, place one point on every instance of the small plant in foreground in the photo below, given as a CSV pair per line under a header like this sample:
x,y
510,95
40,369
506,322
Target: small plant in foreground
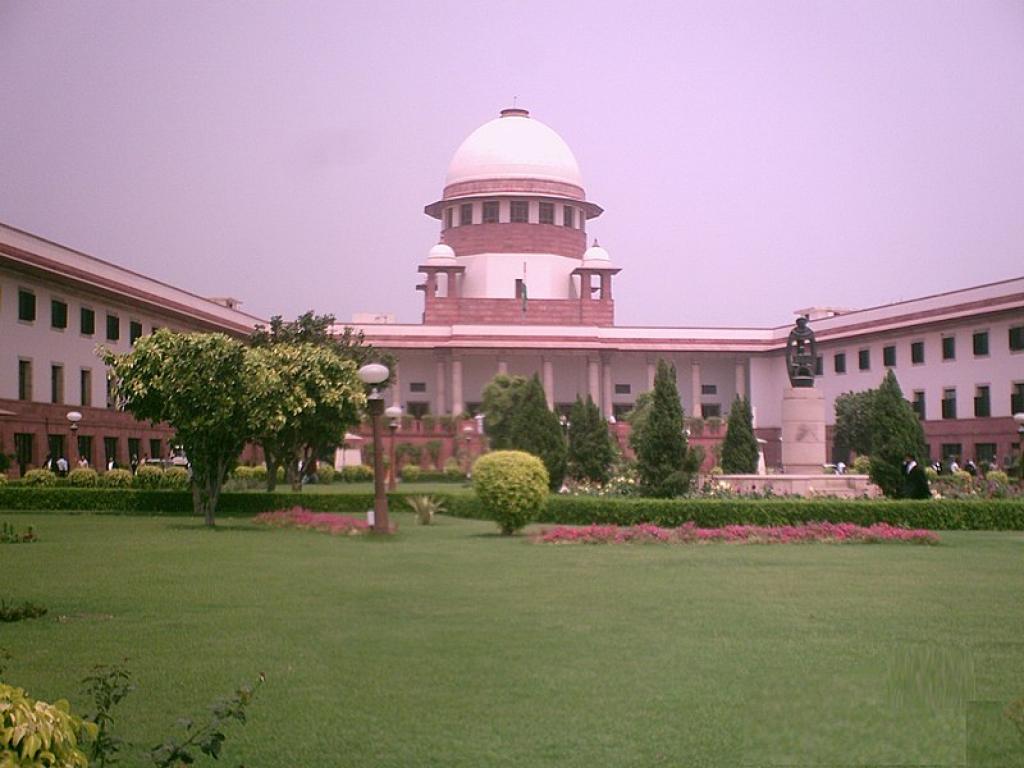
x,y
206,738
13,612
425,507
107,686
10,535
37,733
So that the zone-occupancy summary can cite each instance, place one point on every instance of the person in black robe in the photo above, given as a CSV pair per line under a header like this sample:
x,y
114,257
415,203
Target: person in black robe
x,y
915,483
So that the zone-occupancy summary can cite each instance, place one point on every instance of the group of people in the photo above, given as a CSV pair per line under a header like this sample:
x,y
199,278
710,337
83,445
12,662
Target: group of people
x,y
60,465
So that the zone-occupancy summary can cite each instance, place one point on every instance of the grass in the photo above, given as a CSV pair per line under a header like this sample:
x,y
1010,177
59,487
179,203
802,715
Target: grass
x,y
451,646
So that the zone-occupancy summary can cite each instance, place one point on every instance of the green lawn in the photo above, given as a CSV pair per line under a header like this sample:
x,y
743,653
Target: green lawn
x,y
451,646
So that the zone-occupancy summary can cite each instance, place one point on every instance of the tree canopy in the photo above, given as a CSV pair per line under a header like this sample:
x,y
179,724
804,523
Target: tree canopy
x,y
739,448
896,432
591,451
664,464
853,429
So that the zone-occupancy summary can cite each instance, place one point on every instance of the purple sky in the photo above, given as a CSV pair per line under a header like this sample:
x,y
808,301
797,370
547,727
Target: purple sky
x,y
752,158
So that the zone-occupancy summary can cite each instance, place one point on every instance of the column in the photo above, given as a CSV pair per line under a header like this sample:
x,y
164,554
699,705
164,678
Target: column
x,y
440,400
548,375
606,404
396,386
457,404
503,366
594,380
652,369
606,286
695,374
741,378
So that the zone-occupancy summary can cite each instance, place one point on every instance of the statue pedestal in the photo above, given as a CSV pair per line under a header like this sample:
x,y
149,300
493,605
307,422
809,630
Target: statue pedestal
x,y
803,431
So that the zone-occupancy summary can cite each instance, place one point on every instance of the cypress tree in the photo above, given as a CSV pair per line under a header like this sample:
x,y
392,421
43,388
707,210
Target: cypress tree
x,y
590,446
534,428
895,433
664,464
739,449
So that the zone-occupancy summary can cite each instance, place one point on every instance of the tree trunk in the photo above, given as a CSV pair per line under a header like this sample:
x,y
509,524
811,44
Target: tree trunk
x,y
272,465
206,492
294,475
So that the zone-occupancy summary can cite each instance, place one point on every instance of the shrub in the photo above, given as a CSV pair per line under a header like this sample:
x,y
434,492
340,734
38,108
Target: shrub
x,y
452,470
259,473
357,473
433,450
861,465
739,449
147,477
511,486
325,473
247,473
13,612
425,507
428,425
3,479
115,478
39,477
82,477
931,474
411,473
998,477
175,478
30,728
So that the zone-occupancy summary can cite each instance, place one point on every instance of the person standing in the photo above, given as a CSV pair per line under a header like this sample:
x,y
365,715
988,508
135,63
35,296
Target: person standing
x,y
915,483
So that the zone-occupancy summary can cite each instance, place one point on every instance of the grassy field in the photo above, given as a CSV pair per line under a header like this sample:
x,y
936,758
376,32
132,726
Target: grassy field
x,y
451,646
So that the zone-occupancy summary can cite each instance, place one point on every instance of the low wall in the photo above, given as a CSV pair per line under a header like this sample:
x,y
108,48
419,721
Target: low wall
x,y
841,486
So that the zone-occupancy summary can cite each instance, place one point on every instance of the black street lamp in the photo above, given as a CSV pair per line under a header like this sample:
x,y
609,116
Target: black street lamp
x,y
372,375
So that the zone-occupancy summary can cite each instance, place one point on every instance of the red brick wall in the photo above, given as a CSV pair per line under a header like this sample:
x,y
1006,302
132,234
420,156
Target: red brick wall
x,y
447,311
516,238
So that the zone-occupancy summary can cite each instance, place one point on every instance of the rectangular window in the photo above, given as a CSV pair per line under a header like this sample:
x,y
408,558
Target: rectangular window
x,y
85,387
417,410
56,383
520,211
418,386
979,341
889,356
520,288
449,215
109,452
568,216
982,402
134,449
949,348
623,389
155,448
26,306
1017,338
88,321
951,451
490,212
985,452
58,314
919,404
85,448
711,410
24,379
24,448
110,392
819,365
465,214
864,359
839,362
949,403
546,213
709,389
1017,397
134,331
113,327
917,352
619,410
55,444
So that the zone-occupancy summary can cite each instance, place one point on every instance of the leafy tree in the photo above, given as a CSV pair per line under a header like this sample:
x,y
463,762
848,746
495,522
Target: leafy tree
x,y
591,452
895,433
853,430
199,384
664,463
535,428
739,449
500,400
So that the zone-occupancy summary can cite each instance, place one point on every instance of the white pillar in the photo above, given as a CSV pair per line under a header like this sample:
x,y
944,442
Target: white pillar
x,y
695,374
457,404
548,375
606,403
594,380
741,378
440,400
503,366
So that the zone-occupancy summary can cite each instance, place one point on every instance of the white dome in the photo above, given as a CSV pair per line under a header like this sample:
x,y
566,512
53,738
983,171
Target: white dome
x,y
597,256
514,146
440,253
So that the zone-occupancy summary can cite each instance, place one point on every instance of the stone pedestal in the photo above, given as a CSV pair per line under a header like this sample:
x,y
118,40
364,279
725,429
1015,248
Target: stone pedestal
x,y
803,431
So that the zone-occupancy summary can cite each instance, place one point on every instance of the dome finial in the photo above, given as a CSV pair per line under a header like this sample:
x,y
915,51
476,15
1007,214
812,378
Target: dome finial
x,y
515,112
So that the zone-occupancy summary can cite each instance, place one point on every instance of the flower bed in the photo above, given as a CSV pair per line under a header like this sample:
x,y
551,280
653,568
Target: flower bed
x,y
327,522
689,533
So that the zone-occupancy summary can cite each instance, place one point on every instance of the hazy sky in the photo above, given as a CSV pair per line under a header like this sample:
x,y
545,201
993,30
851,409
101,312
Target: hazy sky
x,y
752,158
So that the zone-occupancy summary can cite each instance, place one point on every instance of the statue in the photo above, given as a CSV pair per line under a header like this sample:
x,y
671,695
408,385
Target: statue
x,y
801,354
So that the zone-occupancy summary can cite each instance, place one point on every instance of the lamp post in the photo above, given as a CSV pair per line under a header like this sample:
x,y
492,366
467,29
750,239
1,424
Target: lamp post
x,y
467,434
372,375
394,414
73,418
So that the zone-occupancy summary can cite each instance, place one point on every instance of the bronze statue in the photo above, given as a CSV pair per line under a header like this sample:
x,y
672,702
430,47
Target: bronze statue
x,y
801,354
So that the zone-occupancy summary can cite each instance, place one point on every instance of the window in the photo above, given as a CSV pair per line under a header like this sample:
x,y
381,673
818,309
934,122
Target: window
x,y
839,362
520,211
85,385
418,386
113,327
985,452
85,447
546,213
449,215
918,404
1017,338
155,448
1017,397
520,289
951,451
819,365
55,445
889,356
58,314
24,448
88,322
980,343
982,402
568,217
709,389
619,410
26,306
134,448
109,451
917,352
56,383
491,212
710,411
134,331
110,392
417,410
465,214
24,379
949,348
864,359
949,403
623,389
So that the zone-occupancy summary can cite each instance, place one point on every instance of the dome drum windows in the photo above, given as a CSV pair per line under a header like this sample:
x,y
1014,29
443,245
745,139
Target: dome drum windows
x,y
490,212
519,212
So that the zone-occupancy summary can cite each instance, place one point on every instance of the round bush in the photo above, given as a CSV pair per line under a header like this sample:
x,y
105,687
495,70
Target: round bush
x,y
247,473
175,478
325,473
452,470
411,473
861,465
148,477
83,477
512,486
998,477
357,473
39,477
260,473
115,478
